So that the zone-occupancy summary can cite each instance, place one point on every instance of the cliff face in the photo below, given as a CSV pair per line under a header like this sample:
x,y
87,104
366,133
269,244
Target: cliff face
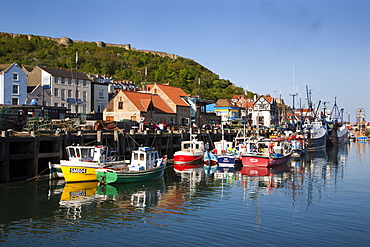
x,y
67,41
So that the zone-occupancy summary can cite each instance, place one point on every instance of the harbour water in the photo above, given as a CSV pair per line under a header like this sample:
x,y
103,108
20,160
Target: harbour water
x,y
320,200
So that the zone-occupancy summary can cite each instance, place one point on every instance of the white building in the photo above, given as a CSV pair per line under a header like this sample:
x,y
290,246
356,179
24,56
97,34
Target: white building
x,y
13,85
70,89
264,111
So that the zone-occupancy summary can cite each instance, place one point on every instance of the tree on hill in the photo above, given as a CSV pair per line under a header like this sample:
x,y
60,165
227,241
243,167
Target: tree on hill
x,y
117,62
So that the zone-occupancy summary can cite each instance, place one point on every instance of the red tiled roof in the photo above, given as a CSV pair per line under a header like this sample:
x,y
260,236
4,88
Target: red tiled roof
x,y
142,101
270,99
250,104
174,93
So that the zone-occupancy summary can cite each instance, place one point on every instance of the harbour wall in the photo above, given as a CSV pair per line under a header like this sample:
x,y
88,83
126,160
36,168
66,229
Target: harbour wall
x,y
25,155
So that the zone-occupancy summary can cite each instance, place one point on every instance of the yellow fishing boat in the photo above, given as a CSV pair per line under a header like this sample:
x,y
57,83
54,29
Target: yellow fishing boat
x,y
84,160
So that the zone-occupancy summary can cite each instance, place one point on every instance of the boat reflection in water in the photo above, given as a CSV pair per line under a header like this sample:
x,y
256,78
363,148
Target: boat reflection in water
x,y
55,187
76,197
228,172
264,178
186,166
138,195
190,179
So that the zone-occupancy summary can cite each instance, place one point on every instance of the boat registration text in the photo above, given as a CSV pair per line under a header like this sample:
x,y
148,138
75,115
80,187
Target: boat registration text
x,y
77,170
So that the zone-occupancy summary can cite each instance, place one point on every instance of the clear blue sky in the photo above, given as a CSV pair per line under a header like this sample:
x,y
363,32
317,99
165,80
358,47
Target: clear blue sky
x,y
253,43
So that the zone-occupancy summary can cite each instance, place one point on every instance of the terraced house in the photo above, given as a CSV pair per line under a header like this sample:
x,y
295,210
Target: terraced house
x,y
64,88
13,84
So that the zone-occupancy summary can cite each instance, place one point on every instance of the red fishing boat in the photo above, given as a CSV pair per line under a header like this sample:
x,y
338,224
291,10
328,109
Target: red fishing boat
x,y
267,153
190,156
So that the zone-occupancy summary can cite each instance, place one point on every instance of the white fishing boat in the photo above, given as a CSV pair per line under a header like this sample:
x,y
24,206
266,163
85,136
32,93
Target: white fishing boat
x,y
225,151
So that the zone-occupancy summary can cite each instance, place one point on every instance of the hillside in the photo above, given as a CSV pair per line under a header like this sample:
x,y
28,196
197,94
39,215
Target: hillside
x,y
122,62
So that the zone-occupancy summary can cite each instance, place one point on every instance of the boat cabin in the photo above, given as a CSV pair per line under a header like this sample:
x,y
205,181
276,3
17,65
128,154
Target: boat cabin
x,y
144,158
90,154
223,147
192,146
267,147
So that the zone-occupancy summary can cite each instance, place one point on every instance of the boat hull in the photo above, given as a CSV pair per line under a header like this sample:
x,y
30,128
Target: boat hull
x,y
125,176
226,160
185,157
55,171
264,161
78,173
84,171
317,143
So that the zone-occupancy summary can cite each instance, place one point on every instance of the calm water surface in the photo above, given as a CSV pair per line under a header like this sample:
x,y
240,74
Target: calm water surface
x,y
322,200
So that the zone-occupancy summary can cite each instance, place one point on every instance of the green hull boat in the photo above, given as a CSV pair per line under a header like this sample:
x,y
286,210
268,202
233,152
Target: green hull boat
x,y
109,176
145,165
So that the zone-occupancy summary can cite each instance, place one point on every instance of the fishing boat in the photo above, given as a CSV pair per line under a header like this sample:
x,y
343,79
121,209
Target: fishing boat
x,y
55,171
191,154
225,151
314,128
267,153
337,129
299,145
145,165
84,160
337,134
315,133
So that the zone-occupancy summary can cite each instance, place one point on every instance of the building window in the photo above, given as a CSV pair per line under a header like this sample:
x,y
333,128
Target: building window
x,y
69,81
56,104
84,83
84,109
69,94
120,105
56,92
63,81
84,96
16,89
56,80
101,107
69,107
101,94
15,77
63,105
63,94
14,101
